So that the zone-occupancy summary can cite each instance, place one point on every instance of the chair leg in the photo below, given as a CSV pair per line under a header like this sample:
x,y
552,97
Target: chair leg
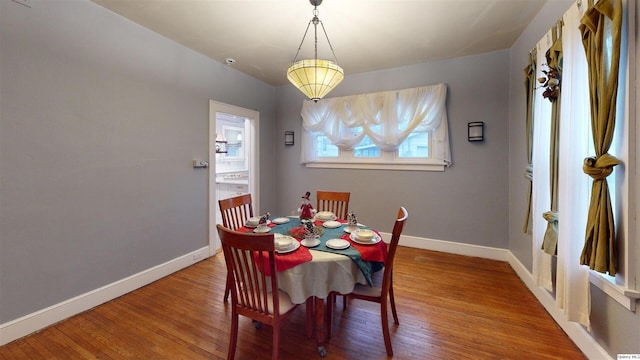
x,y
344,302
393,306
233,338
385,327
276,342
227,289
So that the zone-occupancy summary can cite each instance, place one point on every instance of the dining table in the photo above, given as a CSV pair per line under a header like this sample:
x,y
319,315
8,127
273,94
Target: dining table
x,y
335,262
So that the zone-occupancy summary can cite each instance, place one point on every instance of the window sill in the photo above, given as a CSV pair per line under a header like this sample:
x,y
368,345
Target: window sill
x,y
626,297
377,166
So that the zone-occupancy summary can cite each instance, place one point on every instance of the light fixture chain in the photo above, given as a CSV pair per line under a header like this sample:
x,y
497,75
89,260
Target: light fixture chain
x,y
330,46
302,42
315,35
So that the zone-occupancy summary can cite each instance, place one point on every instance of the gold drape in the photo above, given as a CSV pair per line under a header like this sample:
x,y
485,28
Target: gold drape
x,y
530,88
601,29
554,61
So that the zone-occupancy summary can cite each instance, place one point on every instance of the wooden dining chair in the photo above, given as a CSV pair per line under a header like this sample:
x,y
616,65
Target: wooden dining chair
x,y
235,213
246,256
382,290
334,201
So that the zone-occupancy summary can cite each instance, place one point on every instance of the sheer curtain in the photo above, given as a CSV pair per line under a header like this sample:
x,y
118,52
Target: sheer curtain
x,y
530,88
572,279
554,61
387,118
541,270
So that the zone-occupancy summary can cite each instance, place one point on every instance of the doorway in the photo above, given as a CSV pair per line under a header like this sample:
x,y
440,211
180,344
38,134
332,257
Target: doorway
x,y
234,160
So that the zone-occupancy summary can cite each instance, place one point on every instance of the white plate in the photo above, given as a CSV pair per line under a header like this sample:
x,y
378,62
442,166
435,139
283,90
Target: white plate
x,y
250,226
281,220
259,230
296,245
348,229
331,224
310,242
337,244
376,239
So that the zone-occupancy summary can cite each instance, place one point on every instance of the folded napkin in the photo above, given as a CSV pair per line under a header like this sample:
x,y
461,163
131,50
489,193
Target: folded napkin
x,y
286,261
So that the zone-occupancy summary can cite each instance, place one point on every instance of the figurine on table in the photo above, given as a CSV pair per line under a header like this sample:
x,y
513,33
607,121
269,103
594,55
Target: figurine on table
x,y
306,209
352,221
309,230
263,222
264,219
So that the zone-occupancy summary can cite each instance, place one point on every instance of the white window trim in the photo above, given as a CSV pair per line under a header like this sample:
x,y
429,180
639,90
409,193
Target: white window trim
x,y
623,295
387,161
337,164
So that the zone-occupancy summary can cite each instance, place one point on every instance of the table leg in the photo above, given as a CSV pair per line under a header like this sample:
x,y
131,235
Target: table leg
x,y
319,325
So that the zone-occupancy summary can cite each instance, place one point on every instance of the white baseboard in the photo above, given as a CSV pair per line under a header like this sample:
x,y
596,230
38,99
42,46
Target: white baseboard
x,y
453,247
576,332
33,322
38,320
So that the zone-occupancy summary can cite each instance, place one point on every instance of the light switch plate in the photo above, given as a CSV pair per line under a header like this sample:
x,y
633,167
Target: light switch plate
x,y
200,164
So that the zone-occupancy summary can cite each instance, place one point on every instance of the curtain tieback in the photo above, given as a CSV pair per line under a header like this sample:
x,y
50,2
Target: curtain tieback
x,y
601,167
550,216
528,172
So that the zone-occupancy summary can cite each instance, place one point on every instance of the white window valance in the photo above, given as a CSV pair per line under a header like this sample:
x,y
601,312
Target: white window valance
x,y
387,118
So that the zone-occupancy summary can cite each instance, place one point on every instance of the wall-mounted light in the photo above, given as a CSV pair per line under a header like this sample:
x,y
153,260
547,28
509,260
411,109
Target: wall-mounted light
x,y
475,131
288,138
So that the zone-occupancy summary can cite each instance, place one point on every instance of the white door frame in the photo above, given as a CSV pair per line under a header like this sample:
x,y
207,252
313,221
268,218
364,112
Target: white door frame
x,y
253,163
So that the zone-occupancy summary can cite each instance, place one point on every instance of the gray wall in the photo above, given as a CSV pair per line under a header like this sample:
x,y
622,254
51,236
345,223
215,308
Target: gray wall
x,y
100,119
615,328
465,203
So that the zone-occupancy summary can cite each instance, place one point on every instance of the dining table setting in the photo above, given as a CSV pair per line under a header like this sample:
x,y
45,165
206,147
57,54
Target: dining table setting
x,y
320,255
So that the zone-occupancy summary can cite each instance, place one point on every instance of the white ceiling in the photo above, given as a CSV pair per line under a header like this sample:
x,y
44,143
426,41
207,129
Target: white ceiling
x,y
264,35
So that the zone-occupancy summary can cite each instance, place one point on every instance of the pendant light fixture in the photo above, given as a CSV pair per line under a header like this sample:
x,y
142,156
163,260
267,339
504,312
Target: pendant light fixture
x,y
315,77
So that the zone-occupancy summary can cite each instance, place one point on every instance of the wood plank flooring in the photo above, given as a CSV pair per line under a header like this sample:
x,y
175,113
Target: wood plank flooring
x,y
450,307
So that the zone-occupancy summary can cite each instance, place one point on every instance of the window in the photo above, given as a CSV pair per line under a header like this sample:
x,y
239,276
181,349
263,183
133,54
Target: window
x,y
571,285
404,129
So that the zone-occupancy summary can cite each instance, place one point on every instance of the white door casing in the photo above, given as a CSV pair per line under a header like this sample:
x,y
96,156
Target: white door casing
x,y
253,163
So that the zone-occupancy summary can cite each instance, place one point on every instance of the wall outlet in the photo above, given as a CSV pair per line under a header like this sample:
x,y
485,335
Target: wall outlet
x,y
197,256
27,3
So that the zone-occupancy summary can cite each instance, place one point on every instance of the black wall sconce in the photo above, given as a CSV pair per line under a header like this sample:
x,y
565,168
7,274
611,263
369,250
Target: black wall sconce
x,y
288,138
475,131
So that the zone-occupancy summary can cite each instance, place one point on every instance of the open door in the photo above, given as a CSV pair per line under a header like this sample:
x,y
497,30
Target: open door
x,y
236,152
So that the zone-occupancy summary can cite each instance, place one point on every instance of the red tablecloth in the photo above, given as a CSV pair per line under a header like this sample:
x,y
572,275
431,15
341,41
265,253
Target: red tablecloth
x,y
375,252
288,260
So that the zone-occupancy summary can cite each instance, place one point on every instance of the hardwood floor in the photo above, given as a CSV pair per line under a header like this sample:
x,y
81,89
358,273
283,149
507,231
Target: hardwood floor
x,y
450,307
